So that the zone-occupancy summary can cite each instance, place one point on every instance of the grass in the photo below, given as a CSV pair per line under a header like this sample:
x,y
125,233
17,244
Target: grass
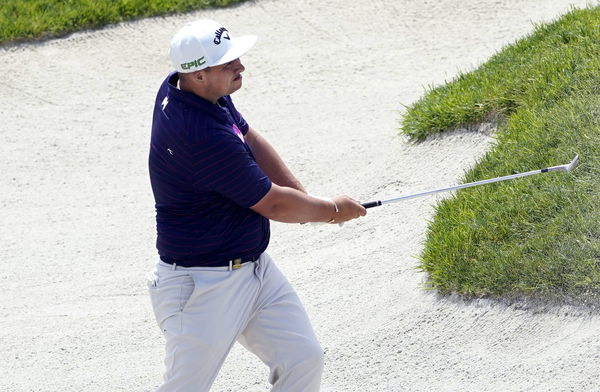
x,y
22,20
537,236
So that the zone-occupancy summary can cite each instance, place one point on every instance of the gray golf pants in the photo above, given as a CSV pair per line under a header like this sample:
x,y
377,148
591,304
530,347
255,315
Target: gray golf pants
x,y
202,312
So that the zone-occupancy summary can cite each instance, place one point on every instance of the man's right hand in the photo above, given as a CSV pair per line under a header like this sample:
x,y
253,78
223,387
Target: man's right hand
x,y
347,209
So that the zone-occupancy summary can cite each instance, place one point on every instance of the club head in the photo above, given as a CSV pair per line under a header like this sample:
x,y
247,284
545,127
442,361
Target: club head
x,y
573,163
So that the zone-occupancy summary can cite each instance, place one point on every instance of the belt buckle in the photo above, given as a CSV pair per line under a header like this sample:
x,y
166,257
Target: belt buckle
x,y
237,263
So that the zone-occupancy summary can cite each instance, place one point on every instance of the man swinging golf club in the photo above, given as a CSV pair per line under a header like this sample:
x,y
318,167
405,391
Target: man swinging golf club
x,y
216,183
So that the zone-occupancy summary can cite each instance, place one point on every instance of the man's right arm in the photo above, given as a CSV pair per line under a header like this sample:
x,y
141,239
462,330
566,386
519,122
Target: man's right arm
x,y
289,205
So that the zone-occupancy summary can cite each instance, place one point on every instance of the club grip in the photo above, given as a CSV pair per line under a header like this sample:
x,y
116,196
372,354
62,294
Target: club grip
x,y
371,204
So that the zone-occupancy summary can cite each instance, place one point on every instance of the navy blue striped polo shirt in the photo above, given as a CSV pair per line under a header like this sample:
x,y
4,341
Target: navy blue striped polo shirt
x,y
204,178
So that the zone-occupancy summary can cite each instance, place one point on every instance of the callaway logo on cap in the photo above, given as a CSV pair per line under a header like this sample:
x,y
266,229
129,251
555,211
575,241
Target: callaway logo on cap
x,y
205,43
222,32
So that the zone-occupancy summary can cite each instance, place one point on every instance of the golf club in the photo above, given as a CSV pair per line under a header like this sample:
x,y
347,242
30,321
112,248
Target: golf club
x,y
566,167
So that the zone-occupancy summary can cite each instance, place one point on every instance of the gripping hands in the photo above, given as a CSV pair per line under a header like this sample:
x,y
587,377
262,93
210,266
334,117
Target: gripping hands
x,y
343,209
346,209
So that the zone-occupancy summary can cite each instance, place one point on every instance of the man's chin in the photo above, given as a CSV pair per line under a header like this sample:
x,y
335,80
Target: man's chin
x,y
235,87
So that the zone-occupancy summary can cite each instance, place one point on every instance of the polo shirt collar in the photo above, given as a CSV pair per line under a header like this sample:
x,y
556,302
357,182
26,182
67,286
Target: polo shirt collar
x,y
193,99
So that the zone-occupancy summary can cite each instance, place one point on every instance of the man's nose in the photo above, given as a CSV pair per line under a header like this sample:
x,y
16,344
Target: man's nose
x,y
239,67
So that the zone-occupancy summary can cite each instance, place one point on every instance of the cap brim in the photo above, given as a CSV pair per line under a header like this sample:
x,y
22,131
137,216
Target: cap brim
x,y
239,47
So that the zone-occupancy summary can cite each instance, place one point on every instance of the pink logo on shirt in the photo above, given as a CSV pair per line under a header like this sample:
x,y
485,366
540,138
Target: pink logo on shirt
x,y
239,134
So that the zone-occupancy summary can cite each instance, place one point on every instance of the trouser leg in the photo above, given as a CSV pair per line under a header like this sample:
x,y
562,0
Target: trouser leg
x,y
280,334
201,314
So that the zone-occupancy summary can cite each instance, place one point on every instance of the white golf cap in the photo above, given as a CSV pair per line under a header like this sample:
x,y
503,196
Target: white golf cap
x,y
206,43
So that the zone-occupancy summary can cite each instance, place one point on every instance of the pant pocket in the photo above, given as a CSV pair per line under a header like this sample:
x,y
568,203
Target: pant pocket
x,y
169,294
151,280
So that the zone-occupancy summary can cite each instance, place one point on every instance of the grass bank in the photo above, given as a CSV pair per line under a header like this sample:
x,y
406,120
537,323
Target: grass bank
x,y
39,19
537,236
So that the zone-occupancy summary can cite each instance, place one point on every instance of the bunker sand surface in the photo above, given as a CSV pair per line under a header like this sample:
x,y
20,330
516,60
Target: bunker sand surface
x,y
325,83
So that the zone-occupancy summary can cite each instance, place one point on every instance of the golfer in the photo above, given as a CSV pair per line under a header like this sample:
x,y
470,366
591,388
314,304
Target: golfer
x,y
217,182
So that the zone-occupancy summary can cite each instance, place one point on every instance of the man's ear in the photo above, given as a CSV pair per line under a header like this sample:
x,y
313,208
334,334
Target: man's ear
x,y
199,76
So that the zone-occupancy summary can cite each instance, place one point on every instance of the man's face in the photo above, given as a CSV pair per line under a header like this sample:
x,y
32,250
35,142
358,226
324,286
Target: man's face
x,y
224,79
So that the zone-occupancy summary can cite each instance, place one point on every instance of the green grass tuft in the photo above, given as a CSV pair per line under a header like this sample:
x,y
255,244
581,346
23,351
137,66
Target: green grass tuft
x,y
556,60
22,20
540,235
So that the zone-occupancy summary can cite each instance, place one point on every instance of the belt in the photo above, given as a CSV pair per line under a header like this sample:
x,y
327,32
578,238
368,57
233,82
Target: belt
x,y
232,263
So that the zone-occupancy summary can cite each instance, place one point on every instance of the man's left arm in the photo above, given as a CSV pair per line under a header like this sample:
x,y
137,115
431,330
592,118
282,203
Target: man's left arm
x,y
270,162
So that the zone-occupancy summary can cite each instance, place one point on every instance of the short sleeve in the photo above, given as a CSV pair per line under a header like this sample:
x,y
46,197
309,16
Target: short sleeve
x,y
225,166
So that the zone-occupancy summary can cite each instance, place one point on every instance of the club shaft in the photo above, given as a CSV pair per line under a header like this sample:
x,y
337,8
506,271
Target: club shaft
x,y
462,186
